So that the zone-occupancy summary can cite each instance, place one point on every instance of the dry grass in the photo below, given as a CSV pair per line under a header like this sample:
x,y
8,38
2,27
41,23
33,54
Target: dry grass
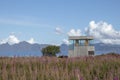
x,y
52,68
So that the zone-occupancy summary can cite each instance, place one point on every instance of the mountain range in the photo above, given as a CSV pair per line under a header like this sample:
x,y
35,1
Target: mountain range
x,y
27,49
21,49
101,48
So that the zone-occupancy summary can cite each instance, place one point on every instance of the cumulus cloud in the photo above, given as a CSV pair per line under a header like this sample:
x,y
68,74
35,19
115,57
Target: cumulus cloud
x,y
74,32
3,41
58,30
65,41
103,32
31,41
12,39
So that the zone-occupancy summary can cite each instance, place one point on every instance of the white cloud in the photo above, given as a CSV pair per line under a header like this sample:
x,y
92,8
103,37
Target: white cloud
x,y
58,30
74,32
12,39
65,41
103,32
3,41
31,41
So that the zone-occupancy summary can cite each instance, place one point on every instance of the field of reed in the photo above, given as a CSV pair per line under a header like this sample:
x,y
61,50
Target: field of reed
x,y
106,67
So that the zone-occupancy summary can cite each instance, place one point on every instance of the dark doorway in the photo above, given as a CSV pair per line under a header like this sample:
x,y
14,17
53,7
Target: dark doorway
x,y
90,52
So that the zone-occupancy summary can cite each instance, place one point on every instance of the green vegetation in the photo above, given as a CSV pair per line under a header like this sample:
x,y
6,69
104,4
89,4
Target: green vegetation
x,y
105,67
50,50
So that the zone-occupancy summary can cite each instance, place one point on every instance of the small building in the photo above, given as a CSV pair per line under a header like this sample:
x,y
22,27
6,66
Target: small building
x,y
80,46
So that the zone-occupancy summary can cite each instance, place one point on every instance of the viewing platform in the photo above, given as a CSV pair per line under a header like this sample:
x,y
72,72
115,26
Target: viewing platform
x,y
81,46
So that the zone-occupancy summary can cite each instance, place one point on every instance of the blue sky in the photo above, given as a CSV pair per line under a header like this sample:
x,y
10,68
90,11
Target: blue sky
x,y
38,19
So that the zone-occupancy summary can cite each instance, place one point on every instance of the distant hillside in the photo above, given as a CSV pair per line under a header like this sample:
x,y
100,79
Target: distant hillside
x,y
21,49
101,48
27,49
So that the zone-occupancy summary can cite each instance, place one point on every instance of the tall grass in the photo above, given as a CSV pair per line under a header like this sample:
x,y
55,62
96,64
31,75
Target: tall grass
x,y
52,68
